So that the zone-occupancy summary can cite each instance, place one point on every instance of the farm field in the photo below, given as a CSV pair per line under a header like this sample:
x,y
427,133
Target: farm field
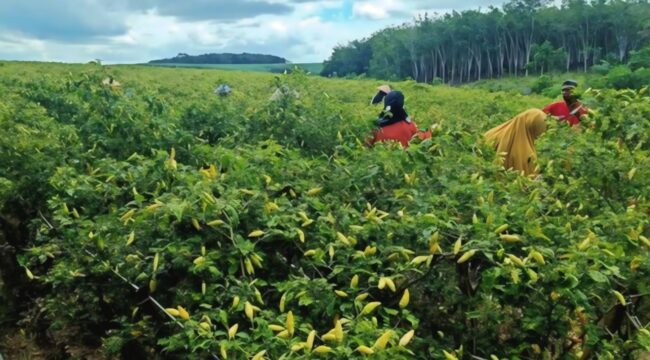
x,y
159,220
314,68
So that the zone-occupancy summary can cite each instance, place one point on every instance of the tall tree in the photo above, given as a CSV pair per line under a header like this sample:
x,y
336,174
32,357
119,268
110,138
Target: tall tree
x,y
522,35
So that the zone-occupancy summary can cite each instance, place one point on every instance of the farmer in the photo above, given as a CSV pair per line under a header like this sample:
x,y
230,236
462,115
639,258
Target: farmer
x,y
569,109
394,123
223,90
516,140
283,92
110,81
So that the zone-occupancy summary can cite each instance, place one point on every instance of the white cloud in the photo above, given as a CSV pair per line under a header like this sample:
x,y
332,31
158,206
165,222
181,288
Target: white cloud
x,y
370,10
278,26
312,21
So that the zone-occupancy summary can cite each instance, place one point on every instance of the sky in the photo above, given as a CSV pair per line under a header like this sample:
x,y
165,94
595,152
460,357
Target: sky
x,y
136,31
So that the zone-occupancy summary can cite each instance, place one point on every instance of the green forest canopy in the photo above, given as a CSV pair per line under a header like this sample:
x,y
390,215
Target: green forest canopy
x,y
522,36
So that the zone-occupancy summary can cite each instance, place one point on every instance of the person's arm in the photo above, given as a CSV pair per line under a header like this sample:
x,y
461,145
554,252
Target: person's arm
x,y
584,110
371,138
550,110
422,135
585,118
579,110
583,114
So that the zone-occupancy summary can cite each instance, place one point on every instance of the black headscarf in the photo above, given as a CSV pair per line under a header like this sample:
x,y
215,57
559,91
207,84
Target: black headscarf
x,y
393,109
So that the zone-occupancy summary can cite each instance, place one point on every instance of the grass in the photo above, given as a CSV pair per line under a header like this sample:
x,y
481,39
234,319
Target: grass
x,y
523,84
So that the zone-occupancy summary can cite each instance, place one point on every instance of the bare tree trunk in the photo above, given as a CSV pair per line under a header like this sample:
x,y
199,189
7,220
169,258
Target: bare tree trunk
x,y
423,68
443,65
470,65
453,68
515,48
435,64
585,46
490,70
511,54
501,59
622,46
415,70
470,59
568,52
528,44
478,59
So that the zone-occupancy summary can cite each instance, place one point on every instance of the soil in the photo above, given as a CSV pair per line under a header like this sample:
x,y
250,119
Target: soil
x,y
19,346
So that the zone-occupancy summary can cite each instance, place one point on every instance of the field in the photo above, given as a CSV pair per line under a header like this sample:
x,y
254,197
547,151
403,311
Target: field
x,y
314,68
159,220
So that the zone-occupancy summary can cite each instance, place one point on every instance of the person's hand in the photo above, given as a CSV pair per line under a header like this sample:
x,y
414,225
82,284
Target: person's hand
x,y
587,121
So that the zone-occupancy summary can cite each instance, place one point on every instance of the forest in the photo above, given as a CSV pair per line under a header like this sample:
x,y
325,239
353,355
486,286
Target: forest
x,y
521,38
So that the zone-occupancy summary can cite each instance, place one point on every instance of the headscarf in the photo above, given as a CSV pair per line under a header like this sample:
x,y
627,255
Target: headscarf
x,y
393,109
382,91
569,84
516,138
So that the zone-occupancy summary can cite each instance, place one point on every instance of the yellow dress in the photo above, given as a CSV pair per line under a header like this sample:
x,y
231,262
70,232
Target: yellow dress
x,y
516,140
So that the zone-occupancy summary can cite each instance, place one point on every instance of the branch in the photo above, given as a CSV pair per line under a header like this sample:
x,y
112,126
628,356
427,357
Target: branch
x,y
44,219
437,260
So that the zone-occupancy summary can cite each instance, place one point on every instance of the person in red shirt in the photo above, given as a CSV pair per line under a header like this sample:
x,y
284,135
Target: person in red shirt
x,y
569,109
395,124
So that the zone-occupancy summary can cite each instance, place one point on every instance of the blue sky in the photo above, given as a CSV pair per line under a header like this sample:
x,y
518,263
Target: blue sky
x,y
130,31
343,11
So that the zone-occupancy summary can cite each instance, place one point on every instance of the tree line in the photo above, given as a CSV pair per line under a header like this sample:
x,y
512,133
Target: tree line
x,y
522,37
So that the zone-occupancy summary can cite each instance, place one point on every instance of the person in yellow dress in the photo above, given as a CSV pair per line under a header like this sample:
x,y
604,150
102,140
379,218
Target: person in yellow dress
x,y
515,139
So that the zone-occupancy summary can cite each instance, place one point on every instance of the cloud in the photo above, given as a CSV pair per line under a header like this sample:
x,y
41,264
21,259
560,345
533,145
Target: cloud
x,y
65,20
85,20
131,31
394,9
387,9
369,9
216,10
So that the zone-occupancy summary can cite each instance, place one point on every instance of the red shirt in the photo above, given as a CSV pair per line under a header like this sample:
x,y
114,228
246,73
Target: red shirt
x,y
561,110
402,132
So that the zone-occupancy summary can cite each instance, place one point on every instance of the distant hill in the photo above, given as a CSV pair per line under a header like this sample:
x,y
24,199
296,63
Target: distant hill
x,y
313,68
226,58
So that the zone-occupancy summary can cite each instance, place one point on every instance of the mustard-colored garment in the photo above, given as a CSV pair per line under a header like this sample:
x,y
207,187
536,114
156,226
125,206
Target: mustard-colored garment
x,y
516,138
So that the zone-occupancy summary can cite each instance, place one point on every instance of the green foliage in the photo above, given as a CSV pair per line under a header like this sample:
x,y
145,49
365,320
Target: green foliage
x,y
220,205
545,57
602,68
542,83
351,59
622,77
212,120
6,188
512,40
37,145
640,59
